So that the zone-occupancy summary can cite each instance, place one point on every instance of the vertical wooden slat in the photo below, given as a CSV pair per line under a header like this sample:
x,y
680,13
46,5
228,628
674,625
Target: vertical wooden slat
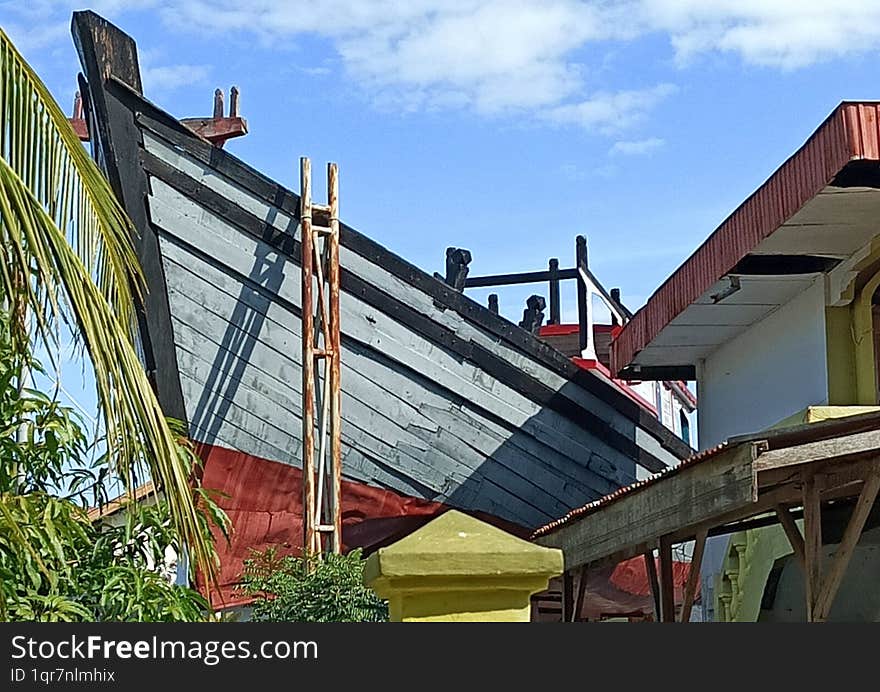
x,y
812,543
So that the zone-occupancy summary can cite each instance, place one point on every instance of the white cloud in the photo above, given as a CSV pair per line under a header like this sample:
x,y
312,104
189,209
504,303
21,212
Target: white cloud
x,y
787,34
160,77
531,59
638,147
169,77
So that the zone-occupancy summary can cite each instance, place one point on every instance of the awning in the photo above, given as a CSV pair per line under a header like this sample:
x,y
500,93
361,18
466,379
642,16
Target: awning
x,y
819,207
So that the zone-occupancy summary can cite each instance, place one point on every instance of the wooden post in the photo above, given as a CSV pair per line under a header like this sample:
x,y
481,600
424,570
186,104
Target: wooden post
x,y
581,262
567,596
615,296
667,586
651,569
335,366
582,590
690,589
812,543
554,291
831,582
308,382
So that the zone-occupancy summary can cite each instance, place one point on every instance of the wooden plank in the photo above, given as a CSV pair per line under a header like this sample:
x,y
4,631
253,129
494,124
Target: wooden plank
x,y
654,582
379,276
812,544
843,554
667,583
846,446
371,331
473,313
696,493
368,381
693,580
795,538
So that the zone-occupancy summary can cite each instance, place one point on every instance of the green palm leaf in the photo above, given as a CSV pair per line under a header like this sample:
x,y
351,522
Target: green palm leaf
x,y
66,256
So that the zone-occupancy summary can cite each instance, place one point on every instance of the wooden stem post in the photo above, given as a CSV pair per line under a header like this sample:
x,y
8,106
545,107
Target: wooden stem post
x,y
667,587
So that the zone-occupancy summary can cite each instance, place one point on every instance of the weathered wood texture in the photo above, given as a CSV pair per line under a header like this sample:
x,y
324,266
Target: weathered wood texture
x,y
441,399
419,415
632,524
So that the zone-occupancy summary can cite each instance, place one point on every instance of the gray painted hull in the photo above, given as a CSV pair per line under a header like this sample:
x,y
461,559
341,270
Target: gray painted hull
x,y
441,399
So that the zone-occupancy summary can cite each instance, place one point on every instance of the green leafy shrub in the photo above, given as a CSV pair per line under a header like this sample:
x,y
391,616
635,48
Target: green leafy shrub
x,y
297,589
56,564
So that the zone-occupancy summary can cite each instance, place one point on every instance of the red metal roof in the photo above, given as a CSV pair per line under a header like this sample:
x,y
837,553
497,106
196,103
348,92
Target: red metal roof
x,y
850,132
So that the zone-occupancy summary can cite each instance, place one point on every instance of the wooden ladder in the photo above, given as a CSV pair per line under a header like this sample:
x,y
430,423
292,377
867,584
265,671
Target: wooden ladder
x,y
321,457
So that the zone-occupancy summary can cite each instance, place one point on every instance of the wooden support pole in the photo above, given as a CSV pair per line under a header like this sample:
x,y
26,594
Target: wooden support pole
x,y
567,596
554,291
812,543
667,587
651,569
794,535
690,589
582,590
582,295
308,389
851,535
335,365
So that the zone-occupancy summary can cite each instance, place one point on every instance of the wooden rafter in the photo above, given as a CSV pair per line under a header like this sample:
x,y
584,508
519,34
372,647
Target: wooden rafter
x,y
843,554
795,538
690,588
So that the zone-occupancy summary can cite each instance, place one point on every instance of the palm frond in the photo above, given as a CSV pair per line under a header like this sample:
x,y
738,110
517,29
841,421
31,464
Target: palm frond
x,y
66,252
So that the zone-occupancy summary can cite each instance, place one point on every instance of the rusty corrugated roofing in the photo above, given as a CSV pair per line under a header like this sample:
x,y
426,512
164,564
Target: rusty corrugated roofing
x,y
850,132
775,439
595,505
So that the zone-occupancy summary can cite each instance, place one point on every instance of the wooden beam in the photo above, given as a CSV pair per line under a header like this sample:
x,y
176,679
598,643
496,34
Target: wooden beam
x,y
651,569
812,543
667,584
680,503
843,554
845,446
794,535
690,588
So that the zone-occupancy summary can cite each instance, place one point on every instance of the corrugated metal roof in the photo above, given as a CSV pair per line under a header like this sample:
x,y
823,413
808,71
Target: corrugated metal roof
x,y
775,439
850,132
595,505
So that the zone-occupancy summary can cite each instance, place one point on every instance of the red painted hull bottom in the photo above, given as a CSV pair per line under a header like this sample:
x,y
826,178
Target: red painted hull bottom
x,y
263,500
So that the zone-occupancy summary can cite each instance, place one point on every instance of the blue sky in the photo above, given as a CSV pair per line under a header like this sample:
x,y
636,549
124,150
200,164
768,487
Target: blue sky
x,y
504,127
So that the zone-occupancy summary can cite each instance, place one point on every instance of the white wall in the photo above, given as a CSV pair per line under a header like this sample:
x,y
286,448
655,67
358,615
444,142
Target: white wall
x,y
771,371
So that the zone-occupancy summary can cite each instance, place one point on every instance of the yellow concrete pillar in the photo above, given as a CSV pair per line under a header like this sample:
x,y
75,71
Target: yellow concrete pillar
x,y
458,569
